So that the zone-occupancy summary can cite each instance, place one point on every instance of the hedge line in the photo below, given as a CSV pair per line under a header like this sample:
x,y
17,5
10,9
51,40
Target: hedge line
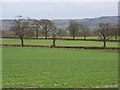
x,y
65,39
72,47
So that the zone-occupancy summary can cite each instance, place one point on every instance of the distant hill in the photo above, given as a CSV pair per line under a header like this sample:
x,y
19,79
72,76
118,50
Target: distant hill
x,y
92,23
63,23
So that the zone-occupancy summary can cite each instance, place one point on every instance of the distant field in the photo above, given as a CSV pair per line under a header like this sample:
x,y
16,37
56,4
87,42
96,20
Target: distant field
x,y
59,42
90,37
67,68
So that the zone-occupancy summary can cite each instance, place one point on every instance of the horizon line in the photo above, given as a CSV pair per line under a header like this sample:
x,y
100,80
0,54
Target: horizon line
x,y
68,18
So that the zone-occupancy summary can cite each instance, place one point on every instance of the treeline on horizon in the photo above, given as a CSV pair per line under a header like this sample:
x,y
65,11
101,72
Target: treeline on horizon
x,y
26,28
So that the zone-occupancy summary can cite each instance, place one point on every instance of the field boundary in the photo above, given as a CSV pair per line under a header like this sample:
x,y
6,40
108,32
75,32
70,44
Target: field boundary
x,y
67,47
59,89
65,39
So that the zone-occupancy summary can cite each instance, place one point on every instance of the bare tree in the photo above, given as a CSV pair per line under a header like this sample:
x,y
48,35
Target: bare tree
x,y
36,26
84,31
54,33
20,26
29,33
104,32
61,32
46,26
115,31
73,28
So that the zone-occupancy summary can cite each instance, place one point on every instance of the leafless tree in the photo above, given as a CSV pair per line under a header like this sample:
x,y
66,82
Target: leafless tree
x,y
115,31
104,32
54,33
36,27
20,26
84,31
73,28
29,33
46,26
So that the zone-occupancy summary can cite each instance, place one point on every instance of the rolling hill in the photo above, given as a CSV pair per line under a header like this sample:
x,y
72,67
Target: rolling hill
x,y
63,23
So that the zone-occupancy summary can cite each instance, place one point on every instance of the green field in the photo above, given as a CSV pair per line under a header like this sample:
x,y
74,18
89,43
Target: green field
x,y
50,67
59,42
89,37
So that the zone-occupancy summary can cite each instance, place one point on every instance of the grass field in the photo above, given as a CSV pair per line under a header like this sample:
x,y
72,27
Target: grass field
x,y
48,67
89,37
59,42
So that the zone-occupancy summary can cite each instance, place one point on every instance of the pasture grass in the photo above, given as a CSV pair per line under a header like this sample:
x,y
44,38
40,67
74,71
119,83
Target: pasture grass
x,y
59,42
58,68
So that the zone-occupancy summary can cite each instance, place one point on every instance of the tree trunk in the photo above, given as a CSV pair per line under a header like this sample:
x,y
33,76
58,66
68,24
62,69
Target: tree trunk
x,y
37,33
116,38
104,43
54,42
73,37
22,42
84,37
37,36
45,36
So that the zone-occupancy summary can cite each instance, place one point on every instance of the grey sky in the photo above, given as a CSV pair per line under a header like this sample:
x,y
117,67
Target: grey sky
x,y
59,10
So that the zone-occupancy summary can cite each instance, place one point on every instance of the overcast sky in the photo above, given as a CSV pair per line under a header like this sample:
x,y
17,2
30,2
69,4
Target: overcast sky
x,y
59,10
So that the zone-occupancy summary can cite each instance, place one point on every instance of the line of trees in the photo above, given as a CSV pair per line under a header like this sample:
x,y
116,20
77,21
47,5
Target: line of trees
x,y
26,27
21,26
76,29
